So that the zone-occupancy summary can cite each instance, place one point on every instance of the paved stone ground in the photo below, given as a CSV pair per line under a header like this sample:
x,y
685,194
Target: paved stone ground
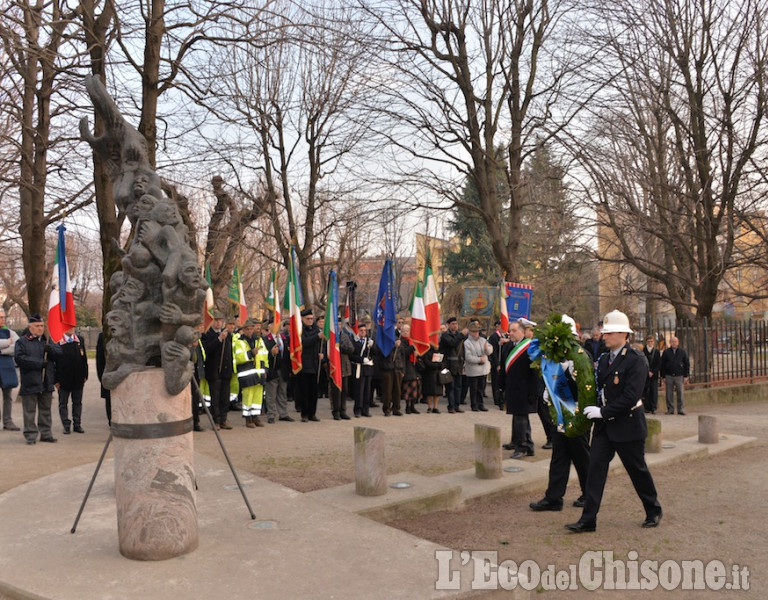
x,y
713,508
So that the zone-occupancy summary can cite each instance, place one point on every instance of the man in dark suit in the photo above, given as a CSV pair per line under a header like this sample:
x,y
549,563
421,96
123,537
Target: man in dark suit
x,y
651,393
620,426
675,370
497,339
519,385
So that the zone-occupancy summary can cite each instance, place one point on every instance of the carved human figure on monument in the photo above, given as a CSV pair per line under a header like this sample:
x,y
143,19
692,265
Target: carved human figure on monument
x,y
161,293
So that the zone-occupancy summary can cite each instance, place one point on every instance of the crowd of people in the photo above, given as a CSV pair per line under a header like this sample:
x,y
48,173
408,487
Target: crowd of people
x,y
249,369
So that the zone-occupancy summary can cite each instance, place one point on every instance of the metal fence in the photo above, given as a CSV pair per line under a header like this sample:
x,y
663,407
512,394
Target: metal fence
x,y
720,350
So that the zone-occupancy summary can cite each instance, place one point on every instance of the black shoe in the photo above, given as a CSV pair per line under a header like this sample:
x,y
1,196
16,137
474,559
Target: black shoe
x,y
199,428
50,440
482,409
429,410
386,413
579,502
30,442
397,413
367,414
314,418
680,412
474,409
373,405
545,504
508,446
66,431
344,417
517,454
652,521
580,527
11,427
547,446
78,429
304,420
458,410
287,418
670,412
435,411
271,420
336,417
415,412
529,453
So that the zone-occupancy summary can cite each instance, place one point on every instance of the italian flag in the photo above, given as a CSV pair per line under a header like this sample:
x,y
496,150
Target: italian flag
x,y
503,310
272,302
431,305
292,303
208,304
61,306
236,296
331,329
419,327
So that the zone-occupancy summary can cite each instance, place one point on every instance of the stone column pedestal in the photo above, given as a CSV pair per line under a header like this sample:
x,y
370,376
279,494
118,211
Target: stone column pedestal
x,y
487,452
653,439
370,466
709,433
154,468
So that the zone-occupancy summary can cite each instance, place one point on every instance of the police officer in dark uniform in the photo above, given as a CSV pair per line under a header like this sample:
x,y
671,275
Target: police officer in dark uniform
x,y
620,426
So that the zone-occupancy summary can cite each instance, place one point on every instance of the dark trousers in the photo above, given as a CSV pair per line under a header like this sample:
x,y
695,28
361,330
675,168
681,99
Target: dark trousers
x,y
651,395
40,405
362,395
632,455
305,393
453,391
339,397
390,390
7,406
197,404
521,433
498,397
546,418
476,385
567,451
77,406
219,399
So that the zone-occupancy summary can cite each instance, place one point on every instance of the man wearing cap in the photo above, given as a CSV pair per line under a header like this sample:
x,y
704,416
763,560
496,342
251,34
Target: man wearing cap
x,y
276,389
219,367
452,348
37,376
476,365
8,378
620,426
71,373
251,362
566,450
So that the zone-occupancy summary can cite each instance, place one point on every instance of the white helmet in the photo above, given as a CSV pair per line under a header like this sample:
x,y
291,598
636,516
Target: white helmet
x,y
566,319
616,322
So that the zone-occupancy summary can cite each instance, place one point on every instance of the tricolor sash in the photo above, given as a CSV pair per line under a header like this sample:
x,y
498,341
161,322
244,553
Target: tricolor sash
x,y
517,352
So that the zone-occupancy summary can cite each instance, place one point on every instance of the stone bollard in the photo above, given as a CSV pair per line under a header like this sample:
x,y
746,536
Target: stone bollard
x,y
487,451
370,466
154,468
708,431
653,439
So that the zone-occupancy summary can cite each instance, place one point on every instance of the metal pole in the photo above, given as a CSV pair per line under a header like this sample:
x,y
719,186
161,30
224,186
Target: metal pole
x,y
90,485
224,451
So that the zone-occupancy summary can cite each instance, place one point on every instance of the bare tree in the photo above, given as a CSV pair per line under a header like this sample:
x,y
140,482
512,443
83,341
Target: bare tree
x,y
675,146
37,59
469,88
289,95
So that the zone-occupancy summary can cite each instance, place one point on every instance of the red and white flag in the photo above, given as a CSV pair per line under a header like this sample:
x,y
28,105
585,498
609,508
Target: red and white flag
x,y
208,306
61,306
503,310
431,305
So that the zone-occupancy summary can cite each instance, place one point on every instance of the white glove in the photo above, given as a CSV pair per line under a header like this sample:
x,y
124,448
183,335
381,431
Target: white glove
x,y
546,396
593,412
567,366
